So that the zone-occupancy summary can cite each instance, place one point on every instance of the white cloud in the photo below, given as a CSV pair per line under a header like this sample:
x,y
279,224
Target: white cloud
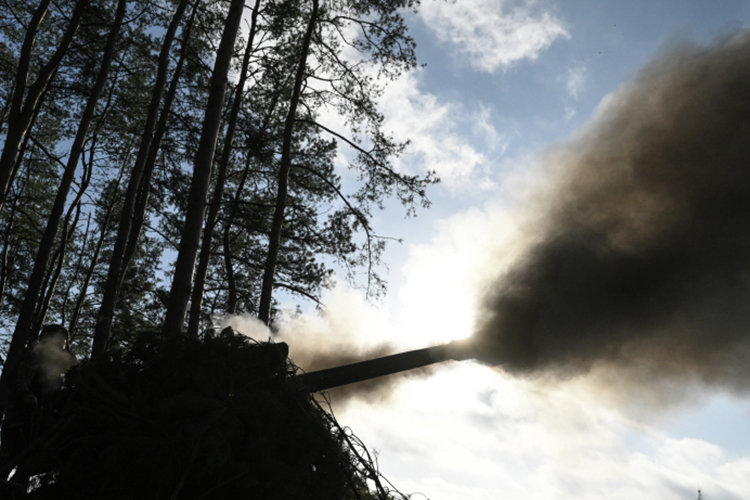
x,y
444,136
493,33
472,432
441,134
575,80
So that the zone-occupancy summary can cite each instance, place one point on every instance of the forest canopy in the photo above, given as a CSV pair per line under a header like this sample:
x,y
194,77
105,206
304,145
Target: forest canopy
x,y
167,161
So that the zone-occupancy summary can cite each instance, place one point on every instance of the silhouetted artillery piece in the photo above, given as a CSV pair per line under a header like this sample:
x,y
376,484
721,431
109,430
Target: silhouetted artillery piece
x,y
329,378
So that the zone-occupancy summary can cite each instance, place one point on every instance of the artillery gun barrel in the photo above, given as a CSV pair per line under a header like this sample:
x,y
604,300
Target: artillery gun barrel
x,y
329,378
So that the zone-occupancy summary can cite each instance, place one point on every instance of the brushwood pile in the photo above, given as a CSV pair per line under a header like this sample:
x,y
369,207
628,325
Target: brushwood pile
x,y
212,418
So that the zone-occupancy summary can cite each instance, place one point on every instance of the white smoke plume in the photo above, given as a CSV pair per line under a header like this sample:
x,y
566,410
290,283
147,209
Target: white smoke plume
x,y
349,330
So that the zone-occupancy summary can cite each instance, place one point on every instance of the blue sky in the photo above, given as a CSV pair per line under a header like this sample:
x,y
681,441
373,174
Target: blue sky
x,y
503,81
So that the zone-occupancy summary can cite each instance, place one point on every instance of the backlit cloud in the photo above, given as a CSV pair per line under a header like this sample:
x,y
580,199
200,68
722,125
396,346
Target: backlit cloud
x,y
575,80
442,135
493,33
472,432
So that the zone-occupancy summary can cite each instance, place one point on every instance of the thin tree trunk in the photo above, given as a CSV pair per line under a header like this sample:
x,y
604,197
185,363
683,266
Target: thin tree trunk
x,y
188,250
213,212
116,268
23,325
6,243
141,204
264,313
22,151
50,281
15,101
76,273
231,305
54,275
94,260
22,110
6,109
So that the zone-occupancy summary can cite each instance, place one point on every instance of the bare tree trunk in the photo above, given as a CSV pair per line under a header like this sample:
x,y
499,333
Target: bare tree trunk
x,y
231,304
54,275
6,109
5,259
50,281
16,130
191,233
141,204
77,272
116,268
94,260
23,325
264,313
23,110
213,212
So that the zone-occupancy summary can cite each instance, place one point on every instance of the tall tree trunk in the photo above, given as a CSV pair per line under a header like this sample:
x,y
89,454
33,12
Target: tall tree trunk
x,y
50,281
141,203
196,208
15,101
25,318
5,259
76,272
23,110
54,275
116,268
264,313
213,212
231,304
6,109
94,260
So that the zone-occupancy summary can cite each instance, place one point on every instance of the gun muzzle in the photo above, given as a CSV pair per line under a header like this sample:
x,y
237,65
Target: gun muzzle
x,y
387,365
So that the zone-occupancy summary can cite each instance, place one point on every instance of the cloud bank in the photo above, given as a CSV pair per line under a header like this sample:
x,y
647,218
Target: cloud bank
x,y
493,34
469,432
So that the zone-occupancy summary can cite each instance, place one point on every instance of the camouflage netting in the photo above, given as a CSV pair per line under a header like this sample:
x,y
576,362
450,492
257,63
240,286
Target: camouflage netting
x,y
198,419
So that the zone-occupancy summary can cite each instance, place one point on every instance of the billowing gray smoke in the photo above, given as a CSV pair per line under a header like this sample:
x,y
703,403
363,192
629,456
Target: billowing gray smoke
x,y
643,259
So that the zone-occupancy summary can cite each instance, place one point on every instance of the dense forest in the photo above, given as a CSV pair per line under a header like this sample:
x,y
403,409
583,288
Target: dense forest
x,y
167,161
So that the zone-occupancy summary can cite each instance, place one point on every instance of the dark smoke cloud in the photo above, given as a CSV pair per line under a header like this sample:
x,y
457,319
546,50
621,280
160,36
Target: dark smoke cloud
x,y
643,259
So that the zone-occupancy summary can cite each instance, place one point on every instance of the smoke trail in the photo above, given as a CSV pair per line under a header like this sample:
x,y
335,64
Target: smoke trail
x,y
348,332
643,259
54,362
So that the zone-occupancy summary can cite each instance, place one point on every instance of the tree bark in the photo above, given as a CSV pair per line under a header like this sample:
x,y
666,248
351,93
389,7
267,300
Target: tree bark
x,y
196,300
116,267
196,208
264,313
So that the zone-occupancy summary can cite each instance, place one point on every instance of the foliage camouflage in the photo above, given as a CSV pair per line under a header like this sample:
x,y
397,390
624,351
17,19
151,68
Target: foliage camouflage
x,y
185,418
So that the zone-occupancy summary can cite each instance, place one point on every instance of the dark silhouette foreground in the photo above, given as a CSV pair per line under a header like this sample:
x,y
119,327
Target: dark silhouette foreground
x,y
34,398
191,419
